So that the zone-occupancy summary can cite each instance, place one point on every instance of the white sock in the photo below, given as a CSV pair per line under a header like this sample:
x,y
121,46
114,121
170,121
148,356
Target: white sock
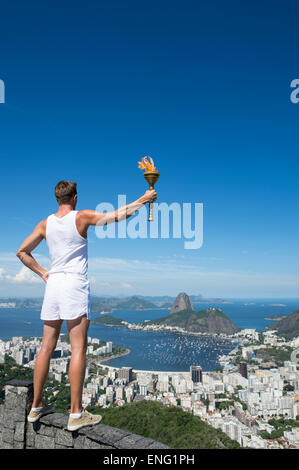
x,y
75,415
37,409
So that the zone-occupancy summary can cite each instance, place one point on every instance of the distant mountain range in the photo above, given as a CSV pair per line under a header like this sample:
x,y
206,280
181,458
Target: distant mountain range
x,y
141,302
109,303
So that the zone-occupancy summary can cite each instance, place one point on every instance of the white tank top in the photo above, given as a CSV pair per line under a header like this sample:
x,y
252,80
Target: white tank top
x,y
67,248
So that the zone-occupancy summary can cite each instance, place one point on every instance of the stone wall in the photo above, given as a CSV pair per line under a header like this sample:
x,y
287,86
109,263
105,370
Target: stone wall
x,y
50,431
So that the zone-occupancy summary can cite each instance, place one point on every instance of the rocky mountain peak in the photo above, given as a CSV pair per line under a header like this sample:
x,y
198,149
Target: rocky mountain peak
x,y
182,302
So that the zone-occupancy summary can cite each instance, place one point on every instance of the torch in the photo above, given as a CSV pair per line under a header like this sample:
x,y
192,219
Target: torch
x,y
151,175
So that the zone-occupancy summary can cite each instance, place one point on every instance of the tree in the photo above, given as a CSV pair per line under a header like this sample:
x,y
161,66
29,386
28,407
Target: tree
x,y
223,405
288,388
276,433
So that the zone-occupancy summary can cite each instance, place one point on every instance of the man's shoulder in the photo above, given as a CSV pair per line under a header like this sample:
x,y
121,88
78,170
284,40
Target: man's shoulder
x,y
42,223
41,227
88,217
85,214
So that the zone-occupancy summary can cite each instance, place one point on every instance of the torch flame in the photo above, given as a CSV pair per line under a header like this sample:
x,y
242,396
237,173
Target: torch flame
x,y
146,165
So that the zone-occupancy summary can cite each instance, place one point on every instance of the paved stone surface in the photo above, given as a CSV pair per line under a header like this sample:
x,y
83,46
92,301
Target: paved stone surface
x,y
20,383
89,444
79,442
10,420
19,432
7,435
44,442
5,445
133,441
18,445
158,445
55,419
105,434
47,430
64,438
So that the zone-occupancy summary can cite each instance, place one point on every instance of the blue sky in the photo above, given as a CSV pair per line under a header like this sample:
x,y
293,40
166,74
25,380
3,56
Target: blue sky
x,y
203,88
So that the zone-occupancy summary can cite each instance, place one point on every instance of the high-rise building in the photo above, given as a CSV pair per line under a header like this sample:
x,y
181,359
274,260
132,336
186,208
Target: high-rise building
x,y
125,373
196,374
120,393
20,357
56,353
243,369
143,389
110,393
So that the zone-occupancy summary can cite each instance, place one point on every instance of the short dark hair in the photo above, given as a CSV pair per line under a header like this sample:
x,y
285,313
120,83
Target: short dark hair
x,y
64,191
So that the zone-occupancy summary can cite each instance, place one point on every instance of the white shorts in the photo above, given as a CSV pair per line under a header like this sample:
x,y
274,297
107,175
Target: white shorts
x,y
67,296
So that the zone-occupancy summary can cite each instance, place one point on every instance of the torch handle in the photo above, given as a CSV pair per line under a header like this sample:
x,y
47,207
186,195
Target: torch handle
x,y
150,216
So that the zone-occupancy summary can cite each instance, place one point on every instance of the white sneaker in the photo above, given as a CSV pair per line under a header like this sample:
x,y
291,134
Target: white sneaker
x,y
87,419
35,415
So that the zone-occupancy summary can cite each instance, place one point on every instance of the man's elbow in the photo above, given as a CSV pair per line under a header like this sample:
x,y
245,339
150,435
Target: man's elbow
x,y
20,254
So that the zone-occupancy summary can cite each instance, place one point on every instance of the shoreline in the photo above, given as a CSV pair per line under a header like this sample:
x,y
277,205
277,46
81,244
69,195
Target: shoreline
x,y
167,329
125,353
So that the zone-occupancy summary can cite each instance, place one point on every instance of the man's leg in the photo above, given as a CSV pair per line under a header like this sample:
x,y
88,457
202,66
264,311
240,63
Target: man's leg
x,y
78,337
42,363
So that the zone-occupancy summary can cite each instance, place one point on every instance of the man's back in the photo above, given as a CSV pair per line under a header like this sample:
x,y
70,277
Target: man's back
x,y
67,293
67,247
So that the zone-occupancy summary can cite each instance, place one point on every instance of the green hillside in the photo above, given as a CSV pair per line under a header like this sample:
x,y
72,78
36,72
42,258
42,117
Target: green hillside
x,y
170,425
108,320
135,303
107,304
288,327
204,321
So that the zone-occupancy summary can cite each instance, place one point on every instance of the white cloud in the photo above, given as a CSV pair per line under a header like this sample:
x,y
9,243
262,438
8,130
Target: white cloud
x,y
8,256
11,257
158,276
126,285
171,276
25,275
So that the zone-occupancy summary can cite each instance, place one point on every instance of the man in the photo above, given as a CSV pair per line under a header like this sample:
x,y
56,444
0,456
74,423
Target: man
x,y
67,292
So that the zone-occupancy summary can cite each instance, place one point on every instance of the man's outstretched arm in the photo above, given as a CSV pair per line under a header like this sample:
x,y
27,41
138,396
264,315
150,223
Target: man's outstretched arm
x,y
31,242
90,217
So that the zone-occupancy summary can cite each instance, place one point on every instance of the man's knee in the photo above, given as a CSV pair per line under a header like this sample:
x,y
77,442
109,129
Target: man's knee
x,y
79,348
47,349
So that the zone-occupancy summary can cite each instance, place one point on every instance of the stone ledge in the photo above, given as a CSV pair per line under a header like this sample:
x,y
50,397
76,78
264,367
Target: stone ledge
x,y
20,383
97,436
50,432
103,433
158,445
59,420
134,441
